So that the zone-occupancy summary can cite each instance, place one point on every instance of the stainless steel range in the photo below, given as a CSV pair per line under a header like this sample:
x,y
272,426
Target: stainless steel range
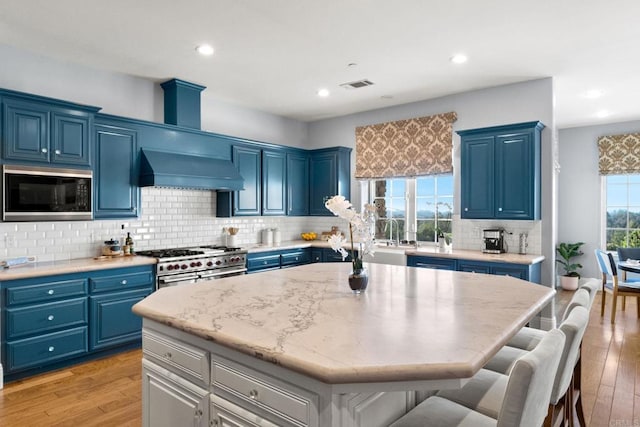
x,y
190,265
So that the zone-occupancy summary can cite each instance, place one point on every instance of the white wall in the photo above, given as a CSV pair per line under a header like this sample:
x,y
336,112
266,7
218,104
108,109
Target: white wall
x,y
501,105
580,216
135,97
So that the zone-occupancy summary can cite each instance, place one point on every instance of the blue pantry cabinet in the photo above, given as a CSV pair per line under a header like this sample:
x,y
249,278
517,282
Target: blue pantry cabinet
x,y
53,321
116,173
274,179
54,132
500,172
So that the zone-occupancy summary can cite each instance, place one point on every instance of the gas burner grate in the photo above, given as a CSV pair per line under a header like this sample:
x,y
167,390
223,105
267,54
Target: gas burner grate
x,y
170,253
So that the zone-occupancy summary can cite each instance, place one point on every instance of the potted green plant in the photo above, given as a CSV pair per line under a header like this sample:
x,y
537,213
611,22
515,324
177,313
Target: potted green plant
x,y
566,252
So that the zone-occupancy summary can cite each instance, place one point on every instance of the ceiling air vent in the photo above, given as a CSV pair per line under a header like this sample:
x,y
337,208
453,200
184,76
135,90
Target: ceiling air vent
x,y
357,84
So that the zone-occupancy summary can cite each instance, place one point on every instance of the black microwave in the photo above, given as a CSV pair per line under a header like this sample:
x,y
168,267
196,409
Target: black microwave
x,y
32,193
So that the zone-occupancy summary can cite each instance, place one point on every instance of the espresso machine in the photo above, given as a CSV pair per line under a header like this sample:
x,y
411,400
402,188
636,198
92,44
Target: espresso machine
x,y
494,241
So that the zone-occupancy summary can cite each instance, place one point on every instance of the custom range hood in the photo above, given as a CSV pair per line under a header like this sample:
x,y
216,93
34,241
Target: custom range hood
x,y
165,169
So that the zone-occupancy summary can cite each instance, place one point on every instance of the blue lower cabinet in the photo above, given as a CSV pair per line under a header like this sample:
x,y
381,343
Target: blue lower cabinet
x,y
52,321
44,349
530,272
316,255
112,321
296,257
431,262
272,260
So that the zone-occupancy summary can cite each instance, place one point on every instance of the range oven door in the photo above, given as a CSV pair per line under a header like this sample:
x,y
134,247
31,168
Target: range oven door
x,y
176,279
222,272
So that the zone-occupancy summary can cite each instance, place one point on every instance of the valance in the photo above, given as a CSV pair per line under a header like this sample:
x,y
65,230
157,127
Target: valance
x,y
619,154
413,147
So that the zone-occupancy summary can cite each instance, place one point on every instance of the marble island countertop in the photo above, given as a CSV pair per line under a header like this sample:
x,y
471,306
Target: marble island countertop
x,y
432,251
48,268
410,324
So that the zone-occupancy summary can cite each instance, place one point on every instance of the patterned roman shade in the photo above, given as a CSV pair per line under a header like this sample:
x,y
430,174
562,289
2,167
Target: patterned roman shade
x,y
619,154
413,147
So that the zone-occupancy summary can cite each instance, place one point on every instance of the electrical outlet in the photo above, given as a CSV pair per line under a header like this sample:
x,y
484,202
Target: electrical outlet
x,y
9,240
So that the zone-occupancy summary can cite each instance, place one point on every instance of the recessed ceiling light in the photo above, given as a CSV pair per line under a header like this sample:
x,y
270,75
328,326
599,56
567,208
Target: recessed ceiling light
x,y
593,94
323,93
458,58
602,114
205,49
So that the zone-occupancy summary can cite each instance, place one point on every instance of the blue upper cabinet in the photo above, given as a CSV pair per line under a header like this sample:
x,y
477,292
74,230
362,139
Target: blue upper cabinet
x,y
274,178
38,131
248,160
116,191
500,172
297,184
329,174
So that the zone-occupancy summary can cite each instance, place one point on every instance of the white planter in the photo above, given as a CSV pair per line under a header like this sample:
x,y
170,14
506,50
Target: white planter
x,y
569,283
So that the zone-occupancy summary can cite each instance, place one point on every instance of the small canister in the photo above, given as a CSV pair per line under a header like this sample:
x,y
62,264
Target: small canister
x,y
277,236
267,237
522,244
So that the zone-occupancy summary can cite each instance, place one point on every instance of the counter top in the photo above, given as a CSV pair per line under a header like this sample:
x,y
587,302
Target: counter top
x,y
410,324
425,251
72,266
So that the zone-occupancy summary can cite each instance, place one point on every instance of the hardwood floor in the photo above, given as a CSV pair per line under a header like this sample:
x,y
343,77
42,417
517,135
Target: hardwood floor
x,y
107,392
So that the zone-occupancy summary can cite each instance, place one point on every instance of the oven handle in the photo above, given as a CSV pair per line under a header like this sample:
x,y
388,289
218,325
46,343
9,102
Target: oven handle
x,y
177,278
223,273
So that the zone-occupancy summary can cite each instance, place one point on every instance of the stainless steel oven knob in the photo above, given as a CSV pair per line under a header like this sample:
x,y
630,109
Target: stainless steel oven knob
x,y
209,264
184,266
218,262
169,267
198,264
193,264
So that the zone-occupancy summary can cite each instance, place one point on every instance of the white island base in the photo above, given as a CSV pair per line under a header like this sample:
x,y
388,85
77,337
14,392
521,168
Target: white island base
x,y
189,378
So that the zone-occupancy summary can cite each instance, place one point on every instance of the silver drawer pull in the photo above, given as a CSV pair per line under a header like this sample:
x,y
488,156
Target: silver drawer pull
x,y
51,348
58,152
44,150
50,291
50,317
264,262
198,413
499,209
296,258
253,394
167,355
124,281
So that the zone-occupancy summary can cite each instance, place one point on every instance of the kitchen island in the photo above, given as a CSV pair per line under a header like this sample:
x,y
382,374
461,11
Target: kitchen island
x,y
296,347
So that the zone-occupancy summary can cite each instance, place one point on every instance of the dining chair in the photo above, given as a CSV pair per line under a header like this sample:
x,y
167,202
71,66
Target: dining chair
x,y
561,407
522,403
623,255
611,284
528,338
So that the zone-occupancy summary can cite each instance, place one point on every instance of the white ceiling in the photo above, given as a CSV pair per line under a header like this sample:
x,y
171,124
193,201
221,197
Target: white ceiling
x,y
273,55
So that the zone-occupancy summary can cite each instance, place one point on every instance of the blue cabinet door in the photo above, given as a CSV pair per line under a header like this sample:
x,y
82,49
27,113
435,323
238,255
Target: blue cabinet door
x,y
477,171
248,161
70,139
516,184
329,174
474,267
116,192
431,262
112,321
297,184
26,131
274,180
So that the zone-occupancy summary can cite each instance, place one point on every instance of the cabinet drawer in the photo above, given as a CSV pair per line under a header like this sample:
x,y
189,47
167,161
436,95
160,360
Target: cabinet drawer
x,y
46,349
120,281
473,267
226,414
44,292
262,394
431,262
183,358
46,317
263,262
295,258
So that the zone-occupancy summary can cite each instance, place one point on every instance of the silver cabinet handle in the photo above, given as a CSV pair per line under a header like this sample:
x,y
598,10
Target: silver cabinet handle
x,y
466,209
50,317
51,348
499,209
50,291
58,152
167,355
124,281
253,394
44,150
198,413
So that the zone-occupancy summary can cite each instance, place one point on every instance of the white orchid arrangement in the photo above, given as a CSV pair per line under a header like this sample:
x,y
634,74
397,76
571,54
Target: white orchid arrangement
x,y
360,229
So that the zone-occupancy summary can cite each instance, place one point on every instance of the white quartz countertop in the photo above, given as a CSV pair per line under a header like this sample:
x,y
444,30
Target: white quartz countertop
x,y
410,324
432,251
73,266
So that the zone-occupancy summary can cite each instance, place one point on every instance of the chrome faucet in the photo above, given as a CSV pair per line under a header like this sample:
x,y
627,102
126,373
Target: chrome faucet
x,y
390,221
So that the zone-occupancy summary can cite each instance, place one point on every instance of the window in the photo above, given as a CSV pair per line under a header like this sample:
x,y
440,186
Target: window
x,y
623,211
413,208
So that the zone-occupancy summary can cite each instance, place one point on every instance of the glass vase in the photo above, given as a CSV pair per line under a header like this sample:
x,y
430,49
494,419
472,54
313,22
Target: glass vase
x,y
358,280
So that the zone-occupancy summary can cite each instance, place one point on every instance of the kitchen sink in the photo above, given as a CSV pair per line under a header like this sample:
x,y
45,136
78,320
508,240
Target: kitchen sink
x,y
393,255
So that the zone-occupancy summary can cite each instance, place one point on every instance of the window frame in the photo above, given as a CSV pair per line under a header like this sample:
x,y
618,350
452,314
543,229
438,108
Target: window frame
x,y
605,210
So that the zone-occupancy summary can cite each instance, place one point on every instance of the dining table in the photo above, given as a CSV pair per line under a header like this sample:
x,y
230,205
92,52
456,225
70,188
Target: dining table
x,y
630,266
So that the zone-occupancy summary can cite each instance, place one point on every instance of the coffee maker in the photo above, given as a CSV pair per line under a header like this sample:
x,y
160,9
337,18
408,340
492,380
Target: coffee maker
x,y
494,241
